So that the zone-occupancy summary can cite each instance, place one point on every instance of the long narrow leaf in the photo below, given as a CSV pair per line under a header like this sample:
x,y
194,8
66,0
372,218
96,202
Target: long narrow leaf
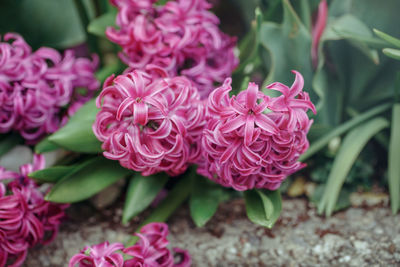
x,y
52,174
91,178
141,192
324,140
348,152
390,39
394,160
391,52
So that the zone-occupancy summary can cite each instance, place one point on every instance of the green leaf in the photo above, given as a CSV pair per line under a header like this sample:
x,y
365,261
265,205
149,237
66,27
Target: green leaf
x,y
77,134
348,152
205,199
179,193
99,25
288,46
263,207
53,23
394,160
343,199
103,73
9,142
45,146
141,192
52,174
391,52
390,39
90,178
324,140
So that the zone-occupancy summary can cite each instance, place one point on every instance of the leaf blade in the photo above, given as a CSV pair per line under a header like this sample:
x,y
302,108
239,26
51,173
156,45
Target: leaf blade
x,y
91,177
394,160
141,192
351,147
260,211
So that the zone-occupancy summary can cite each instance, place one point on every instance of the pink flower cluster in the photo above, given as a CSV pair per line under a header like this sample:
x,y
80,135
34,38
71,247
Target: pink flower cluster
x,y
36,86
182,37
26,219
150,251
150,122
153,123
252,140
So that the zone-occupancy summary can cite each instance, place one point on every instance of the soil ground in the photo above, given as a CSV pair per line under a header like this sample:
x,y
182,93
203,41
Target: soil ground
x,y
364,236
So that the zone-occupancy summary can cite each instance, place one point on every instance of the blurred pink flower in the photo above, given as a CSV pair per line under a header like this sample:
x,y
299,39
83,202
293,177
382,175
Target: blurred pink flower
x,y
252,140
100,255
149,122
26,219
150,251
182,36
35,86
318,29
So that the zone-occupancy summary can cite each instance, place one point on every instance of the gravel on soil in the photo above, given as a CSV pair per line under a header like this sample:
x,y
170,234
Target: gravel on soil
x,y
354,237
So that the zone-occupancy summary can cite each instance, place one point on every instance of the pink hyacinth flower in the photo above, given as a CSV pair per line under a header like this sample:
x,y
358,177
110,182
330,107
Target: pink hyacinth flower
x,y
181,36
35,86
252,140
150,123
26,219
100,255
151,249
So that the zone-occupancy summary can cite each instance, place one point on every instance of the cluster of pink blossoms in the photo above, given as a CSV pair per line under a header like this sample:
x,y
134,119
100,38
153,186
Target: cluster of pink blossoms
x,y
153,123
150,251
252,140
150,122
36,86
182,37
26,219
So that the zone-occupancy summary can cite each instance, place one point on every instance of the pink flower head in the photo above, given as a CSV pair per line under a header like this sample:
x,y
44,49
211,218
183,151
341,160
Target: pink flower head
x,y
149,122
35,86
101,255
151,250
318,29
252,140
25,217
182,36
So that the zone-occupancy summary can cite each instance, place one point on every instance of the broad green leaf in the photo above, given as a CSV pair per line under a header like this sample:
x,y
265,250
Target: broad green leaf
x,y
394,160
90,178
179,193
9,141
289,46
77,134
99,25
52,174
263,207
45,146
324,140
348,152
391,52
53,23
390,39
141,192
351,28
205,199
